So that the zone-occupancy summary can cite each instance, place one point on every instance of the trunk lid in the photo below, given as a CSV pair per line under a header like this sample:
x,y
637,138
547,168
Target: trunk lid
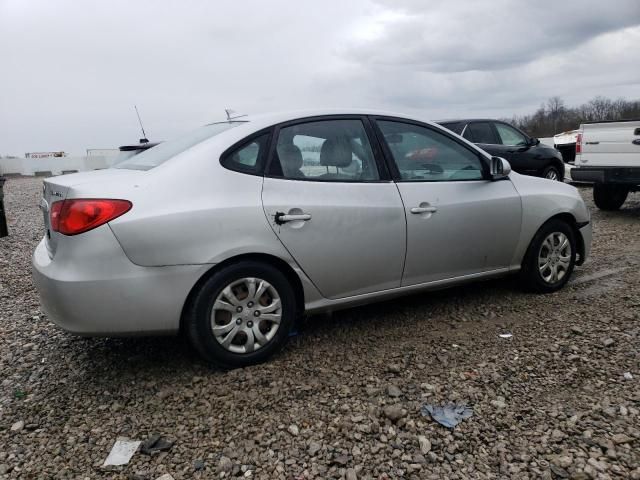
x,y
95,184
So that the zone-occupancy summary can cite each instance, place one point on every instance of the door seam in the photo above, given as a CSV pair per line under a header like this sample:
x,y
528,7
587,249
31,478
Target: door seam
x,y
406,234
271,225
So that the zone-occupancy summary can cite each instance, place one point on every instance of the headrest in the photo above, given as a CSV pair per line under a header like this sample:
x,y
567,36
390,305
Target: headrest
x,y
290,157
336,153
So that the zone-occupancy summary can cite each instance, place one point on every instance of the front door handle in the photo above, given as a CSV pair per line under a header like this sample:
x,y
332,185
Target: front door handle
x,y
424,210
281,218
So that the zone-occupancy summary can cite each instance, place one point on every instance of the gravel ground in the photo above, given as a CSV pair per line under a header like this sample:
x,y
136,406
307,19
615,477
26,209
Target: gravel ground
x,y
343,400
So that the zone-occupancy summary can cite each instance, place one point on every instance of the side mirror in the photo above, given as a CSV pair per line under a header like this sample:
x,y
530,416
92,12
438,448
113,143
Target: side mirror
x,y
534,141
500,168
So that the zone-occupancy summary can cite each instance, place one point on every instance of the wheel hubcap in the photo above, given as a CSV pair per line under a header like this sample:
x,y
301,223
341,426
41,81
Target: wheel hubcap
x,y
552,175
554,258
246,315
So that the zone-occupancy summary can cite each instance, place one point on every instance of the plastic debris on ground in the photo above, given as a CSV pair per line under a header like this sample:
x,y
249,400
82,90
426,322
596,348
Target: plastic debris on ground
x,y
627,376
155,444
121,452
448,415
506,335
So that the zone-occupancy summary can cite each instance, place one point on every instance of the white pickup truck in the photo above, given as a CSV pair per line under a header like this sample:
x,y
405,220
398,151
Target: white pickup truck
x,y
608,154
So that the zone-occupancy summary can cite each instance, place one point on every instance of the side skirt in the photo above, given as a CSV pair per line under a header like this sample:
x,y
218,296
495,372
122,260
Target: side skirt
x,y
326,304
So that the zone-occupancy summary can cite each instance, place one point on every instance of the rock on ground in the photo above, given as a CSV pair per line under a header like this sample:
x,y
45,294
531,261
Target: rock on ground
x,y
553,401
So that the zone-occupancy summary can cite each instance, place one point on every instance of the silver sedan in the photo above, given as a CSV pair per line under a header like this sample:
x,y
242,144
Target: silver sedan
x,y
233,231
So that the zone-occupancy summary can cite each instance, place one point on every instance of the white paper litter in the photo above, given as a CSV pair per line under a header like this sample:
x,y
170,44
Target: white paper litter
x,y
121,452
506,335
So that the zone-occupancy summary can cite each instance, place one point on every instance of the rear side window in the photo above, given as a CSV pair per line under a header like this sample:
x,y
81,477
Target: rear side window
x,y
161,153
248,156
325,150
481,132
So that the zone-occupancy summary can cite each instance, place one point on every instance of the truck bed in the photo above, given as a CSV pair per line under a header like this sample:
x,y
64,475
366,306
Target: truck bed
x,y
610,144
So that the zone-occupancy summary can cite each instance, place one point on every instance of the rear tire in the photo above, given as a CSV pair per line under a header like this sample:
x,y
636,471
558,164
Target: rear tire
x,y
550,258
609,197
241,315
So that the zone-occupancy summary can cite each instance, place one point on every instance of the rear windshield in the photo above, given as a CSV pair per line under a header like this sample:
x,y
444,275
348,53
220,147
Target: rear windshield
x,y
453,126
161,153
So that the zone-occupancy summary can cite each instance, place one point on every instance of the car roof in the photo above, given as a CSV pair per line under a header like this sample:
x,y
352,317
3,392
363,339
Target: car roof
x,y
268,119
467,120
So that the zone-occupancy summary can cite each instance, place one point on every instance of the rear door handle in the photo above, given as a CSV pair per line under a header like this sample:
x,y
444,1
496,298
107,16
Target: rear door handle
x,y
636,142
281,218
424,210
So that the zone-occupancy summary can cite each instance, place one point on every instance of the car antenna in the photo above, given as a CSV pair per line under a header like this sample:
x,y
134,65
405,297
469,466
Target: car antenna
x,y
144,138
232,114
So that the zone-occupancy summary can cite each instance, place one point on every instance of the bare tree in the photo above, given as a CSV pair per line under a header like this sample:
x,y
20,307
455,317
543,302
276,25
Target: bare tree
x,y
600,108
554,116
556,110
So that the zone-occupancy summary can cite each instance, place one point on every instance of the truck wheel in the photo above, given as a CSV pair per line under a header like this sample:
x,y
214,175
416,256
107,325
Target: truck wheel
x,y
609,197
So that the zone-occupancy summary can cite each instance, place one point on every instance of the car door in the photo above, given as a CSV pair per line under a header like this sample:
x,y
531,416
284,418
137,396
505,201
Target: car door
x,y
517,148
458,221
332,204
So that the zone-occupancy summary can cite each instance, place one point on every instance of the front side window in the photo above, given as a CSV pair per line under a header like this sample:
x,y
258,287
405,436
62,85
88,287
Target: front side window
x,y
326,150
246,157
510,136
425,155
482,132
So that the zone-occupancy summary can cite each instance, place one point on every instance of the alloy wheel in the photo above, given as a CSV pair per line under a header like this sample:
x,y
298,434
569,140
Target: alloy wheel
x,y
551,174
246,315
554,258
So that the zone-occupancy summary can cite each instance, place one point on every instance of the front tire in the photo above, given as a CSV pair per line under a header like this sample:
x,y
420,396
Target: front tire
x,y
550,258
551,173
609,197
241,315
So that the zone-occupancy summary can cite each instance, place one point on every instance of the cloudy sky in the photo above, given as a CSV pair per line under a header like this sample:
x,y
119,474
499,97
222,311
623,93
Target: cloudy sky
x,y
71,71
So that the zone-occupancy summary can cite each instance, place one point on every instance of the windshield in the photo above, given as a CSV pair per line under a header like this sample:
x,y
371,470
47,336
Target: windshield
x,y
161,153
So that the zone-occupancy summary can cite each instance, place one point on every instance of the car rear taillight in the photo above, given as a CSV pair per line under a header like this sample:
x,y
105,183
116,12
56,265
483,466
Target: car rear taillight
x,y
71,217
578,143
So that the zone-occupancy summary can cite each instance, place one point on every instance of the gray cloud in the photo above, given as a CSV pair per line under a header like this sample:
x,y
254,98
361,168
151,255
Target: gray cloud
x,y
71,71
446,36
445,59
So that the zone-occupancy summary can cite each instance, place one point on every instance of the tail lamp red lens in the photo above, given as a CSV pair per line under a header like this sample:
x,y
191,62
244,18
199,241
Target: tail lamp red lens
x,y
71,217
579,143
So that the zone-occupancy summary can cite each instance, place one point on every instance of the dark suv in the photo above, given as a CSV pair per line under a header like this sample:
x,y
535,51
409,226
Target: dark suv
x,y
525,154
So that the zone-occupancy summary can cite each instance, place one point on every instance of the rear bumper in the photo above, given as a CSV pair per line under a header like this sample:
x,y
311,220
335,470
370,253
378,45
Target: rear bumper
x,y
619,175
108,295
568,172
